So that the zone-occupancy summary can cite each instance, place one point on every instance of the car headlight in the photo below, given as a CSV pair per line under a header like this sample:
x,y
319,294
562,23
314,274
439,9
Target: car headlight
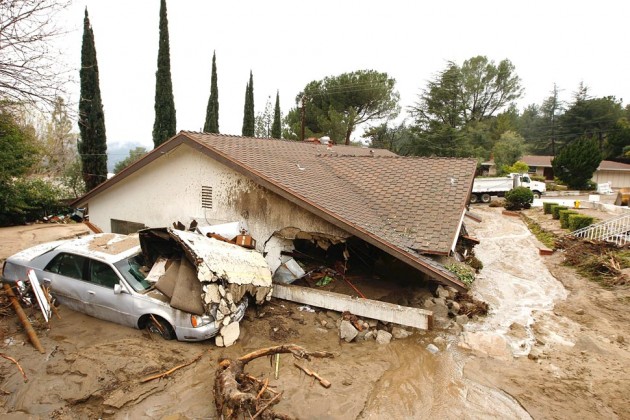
x,y
200,321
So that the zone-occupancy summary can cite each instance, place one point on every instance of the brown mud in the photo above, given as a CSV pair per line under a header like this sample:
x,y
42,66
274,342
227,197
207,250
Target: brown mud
x,y
93,368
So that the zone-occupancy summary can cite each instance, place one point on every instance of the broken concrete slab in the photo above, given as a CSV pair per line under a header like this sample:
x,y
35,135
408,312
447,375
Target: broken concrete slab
x,y
347,331
374,309
228,335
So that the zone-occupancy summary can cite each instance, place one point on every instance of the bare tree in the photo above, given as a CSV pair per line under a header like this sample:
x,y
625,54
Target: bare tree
x,y
29,70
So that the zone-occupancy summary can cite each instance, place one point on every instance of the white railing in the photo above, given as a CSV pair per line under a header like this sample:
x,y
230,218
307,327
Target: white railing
x,y
614,230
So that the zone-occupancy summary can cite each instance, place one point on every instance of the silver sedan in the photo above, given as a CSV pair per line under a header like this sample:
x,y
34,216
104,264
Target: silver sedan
x,y
109,282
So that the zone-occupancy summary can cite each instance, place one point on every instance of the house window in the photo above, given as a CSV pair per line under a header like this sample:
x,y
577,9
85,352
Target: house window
x,y
206,197
125,227
532,169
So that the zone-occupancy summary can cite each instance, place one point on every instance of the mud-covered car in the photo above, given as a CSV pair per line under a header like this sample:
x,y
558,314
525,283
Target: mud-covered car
x,y
108,276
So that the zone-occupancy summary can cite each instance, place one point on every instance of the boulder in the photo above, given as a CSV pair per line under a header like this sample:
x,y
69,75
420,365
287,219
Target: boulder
x,y
453,308
433,348
441,292
461,319
383,337
347,331
399,333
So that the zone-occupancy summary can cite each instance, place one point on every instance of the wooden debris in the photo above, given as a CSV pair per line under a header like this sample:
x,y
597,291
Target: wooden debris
x,y
239,395
48,298
17,364
168,372
30,331
322,381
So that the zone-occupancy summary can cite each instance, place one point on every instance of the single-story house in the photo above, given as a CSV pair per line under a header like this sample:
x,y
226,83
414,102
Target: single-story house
x,y
615,173
409,208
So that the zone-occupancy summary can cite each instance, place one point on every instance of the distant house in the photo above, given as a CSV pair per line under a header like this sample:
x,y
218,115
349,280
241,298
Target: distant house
x,y
618,174
284,191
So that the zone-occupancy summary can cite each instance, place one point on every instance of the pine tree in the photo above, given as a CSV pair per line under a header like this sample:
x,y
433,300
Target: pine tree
x,y
165,124
93,144
249,117
212,112
276,129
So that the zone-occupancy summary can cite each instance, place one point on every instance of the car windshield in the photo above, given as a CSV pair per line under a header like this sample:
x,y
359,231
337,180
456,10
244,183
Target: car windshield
x,y
131,270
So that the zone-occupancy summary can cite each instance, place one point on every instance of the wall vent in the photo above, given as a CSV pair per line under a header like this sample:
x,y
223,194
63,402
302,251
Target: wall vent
x,y
206,197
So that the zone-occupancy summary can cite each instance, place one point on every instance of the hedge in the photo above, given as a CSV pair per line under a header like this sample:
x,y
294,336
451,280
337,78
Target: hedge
x,y
547,206
579,221
564,217
556,211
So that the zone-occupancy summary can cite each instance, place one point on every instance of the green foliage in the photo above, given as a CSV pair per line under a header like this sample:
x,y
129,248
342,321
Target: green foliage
x,y
508,150
336,105
555,211
545,237
30,199
249,118
465,273
72,178
212,111
579,221
263,121
60,148
518,167
276,128
592,118
134,155
564,217
518,198
93,144
18,148
539,178
576,163
165,119
547,207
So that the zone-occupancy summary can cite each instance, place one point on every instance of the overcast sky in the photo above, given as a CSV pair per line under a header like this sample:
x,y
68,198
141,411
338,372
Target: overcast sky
x,y
290,43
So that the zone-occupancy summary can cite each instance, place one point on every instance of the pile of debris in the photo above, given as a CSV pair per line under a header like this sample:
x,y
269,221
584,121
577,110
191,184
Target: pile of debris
x,y
206,276
599,260
353,328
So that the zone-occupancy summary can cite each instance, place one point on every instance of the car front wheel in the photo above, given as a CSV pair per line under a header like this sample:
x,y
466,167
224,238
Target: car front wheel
x,y
160,326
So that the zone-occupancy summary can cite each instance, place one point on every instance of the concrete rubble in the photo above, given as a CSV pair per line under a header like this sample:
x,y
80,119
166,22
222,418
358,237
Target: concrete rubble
x,y
206,276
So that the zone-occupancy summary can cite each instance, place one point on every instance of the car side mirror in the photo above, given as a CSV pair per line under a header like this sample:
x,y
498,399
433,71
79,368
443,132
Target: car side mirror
x,y
118,289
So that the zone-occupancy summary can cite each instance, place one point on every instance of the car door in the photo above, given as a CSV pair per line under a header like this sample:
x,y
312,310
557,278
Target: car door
x,y
65,274
104,302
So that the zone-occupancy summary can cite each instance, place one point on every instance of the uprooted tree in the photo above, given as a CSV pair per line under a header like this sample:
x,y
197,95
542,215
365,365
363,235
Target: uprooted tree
x,y
239,395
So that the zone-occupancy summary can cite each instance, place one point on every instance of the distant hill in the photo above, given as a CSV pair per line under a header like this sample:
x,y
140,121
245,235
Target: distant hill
x,y
118,152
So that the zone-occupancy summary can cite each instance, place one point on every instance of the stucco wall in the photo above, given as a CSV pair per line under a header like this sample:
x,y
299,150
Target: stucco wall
x,y
169,190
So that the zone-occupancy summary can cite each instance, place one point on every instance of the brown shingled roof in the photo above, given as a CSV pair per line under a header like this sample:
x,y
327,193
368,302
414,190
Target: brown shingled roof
x,y
405,206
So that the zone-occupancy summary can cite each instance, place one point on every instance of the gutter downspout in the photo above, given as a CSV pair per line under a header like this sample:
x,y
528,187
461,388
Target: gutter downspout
x,y
459,229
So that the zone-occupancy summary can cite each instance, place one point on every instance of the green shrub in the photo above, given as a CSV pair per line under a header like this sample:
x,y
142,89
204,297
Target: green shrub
x,y
579,221
547,207
465,273
556,211
538,178
519,198
564,217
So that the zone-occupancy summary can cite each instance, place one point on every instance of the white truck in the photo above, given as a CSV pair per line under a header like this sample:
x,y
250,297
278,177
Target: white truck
x,y
484,188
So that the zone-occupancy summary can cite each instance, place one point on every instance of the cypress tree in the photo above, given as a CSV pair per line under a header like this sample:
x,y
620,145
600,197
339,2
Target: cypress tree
x,y
248,114
164,125
212,112
276,127
93,143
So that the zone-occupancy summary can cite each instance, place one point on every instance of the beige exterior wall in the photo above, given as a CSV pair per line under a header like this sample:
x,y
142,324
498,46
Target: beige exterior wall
x,y
169,190
619,179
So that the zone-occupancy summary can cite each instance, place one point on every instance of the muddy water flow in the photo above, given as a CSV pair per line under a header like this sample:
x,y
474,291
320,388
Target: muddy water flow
x,y
514,281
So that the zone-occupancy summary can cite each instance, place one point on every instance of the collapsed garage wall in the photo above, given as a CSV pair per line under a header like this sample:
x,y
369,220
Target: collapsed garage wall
x,y
170,189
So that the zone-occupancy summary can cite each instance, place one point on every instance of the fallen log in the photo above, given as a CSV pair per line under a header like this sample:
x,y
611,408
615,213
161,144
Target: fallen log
x,y
239,395
30,331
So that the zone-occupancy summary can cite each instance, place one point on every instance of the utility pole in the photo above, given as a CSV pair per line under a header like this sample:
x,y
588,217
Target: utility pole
x,y
302,105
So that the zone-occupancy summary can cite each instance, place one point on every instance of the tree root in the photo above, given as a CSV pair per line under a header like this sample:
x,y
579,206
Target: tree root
x,y
239,395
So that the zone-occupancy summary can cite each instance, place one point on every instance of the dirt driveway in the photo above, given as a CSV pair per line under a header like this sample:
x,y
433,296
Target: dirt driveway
x,y
92,368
